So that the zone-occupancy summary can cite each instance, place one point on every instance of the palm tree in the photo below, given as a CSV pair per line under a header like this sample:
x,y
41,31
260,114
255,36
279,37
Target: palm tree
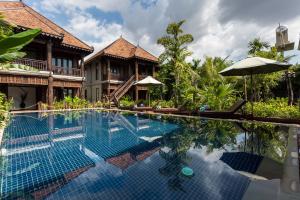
x,y
257,45
173,58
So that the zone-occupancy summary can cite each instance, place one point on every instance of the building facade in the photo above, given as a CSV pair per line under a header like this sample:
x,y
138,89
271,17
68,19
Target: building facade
x,y
112,72
53,66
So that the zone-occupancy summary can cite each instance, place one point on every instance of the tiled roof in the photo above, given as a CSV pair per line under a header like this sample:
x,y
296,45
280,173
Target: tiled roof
x,y
22,16
121,48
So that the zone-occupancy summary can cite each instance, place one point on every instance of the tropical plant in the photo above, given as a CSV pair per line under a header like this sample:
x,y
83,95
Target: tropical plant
x,y
5,106
126,102
175,72
5,28
11,44
71,103
218,97
274,108
257,45
264,83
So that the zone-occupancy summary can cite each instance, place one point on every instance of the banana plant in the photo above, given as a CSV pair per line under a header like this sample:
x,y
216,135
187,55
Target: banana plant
x,y
12,44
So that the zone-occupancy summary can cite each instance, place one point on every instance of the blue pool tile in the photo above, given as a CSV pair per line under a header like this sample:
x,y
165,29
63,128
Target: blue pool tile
x,y
101,155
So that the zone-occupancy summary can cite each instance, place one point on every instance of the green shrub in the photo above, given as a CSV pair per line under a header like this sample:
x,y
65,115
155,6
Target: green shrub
x,y
71,103
126,102
162,104
274,108
98,104
218,97
5,106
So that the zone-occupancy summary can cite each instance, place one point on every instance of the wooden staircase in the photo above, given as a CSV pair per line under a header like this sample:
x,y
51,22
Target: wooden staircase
x,y
118,93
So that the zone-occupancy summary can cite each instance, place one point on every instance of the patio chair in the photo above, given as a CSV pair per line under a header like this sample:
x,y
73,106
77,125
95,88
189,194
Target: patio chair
x,y
230,112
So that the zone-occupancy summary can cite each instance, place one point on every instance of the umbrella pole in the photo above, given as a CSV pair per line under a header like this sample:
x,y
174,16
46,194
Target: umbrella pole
x,y
245,88
252,91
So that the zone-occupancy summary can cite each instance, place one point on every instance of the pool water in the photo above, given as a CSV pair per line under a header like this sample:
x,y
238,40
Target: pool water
x,y
108,155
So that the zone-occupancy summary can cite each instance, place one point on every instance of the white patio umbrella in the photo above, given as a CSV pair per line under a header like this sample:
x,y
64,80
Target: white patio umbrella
x,y
254,65
148,81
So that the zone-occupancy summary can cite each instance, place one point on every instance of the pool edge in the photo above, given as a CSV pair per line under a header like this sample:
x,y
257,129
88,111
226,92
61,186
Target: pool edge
x,y
153,113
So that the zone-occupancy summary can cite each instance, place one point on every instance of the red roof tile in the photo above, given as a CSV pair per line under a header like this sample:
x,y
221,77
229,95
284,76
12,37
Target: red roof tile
x,y
121,48
21,15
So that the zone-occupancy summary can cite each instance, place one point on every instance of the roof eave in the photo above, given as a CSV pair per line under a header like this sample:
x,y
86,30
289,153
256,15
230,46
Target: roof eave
x,y
43,33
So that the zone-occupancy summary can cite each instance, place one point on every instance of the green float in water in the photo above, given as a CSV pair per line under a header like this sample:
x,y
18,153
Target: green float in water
x,y
187,171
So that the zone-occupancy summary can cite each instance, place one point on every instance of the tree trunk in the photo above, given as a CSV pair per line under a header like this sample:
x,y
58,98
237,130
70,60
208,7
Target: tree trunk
x,y
290,92
176,91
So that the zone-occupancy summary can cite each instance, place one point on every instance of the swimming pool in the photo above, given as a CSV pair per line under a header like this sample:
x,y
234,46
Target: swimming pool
x,y
110,155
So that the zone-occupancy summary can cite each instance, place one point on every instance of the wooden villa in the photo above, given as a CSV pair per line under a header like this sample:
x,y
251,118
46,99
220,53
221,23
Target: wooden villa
x,y
112,72
56,58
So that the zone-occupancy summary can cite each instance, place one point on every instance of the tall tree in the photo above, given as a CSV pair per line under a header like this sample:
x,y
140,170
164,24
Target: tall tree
x,y
257,45
263,83
175,71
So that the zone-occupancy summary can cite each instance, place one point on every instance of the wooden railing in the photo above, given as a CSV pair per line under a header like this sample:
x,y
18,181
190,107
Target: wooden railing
x,y
117,77
40,65
63,71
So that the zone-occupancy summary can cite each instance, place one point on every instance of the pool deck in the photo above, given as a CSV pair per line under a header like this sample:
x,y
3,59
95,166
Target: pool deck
x,y
288,188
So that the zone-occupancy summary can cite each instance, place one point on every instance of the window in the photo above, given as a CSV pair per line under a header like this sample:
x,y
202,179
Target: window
x,y
85,93
114,70
70,64
65,63
97,94
54,61
58,62
68,92
62,62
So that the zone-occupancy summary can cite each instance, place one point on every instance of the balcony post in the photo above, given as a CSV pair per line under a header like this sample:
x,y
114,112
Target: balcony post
x,y
136,79
83,77
82,66
108,77
153,70
49,55
50,79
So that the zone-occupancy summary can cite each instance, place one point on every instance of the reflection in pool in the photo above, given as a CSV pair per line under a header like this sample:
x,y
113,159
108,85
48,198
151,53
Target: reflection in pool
x,y
102,155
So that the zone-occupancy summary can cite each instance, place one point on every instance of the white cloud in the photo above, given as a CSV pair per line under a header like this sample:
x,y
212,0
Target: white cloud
x,y
212,36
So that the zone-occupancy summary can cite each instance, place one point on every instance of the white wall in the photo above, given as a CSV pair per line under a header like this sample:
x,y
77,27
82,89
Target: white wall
x,y
16,92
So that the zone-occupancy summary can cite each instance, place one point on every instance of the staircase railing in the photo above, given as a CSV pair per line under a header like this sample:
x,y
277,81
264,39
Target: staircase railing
x,y
120,91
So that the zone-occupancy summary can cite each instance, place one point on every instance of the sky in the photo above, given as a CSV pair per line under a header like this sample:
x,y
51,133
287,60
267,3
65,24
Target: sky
x,y
220,27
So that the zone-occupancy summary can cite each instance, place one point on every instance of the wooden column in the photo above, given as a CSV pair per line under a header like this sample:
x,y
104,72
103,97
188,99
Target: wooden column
x,y
153,70
49,55
136,79
108,77
50,79
81,90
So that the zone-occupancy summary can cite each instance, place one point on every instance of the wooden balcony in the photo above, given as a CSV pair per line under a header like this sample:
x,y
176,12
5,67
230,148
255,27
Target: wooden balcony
x,y
41,65
68,72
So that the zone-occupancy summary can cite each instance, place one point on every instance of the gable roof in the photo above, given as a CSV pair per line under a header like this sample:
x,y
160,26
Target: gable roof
x,y
24,17
121,48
